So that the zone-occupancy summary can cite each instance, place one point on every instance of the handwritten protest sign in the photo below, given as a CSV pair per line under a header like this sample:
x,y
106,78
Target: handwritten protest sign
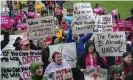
x,y
82,16
12,39
103,23
41,27
111,43
64,74
95,74
15,64
68,50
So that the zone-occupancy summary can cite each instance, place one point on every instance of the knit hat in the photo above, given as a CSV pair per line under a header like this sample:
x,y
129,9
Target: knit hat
x,y
24,42
17,41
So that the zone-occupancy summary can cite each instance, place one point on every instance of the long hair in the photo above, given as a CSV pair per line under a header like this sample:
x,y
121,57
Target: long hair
x,y
125,65
87,45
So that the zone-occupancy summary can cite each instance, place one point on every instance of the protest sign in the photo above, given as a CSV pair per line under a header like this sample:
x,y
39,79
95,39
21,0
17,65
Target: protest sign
x,y
12,39
82,16
103,23
41,27
95,74
15,64
64,74
22,25
111,43
68,50
125,25
5,22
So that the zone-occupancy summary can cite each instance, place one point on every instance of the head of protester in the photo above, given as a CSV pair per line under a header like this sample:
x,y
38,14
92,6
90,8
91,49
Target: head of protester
x,y
25,45
90,58
126,66
114,73
40,44
57,64
36,71
17,43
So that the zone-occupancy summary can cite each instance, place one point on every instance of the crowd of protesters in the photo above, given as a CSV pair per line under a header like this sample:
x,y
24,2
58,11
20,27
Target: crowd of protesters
x,y
119,68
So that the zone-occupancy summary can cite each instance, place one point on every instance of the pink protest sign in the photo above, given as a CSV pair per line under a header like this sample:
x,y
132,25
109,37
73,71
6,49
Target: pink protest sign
x,y
5,22
126,25
22,25
31,14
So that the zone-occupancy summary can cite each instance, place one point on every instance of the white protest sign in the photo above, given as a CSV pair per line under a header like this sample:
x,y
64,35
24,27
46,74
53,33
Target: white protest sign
x,y
95,74
12,39
41,27
15,64
103,23
64,74
82,16
68,50
111,43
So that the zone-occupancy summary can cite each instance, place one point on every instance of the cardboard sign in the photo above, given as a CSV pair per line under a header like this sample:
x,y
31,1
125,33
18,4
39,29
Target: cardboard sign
x,y
12,39
41,27
68,50
64,74
82,16
95,74
111,43
103,23
15,64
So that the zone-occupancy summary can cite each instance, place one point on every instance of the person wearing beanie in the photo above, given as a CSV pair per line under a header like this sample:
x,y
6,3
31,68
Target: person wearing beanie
x,y
37,71
17,43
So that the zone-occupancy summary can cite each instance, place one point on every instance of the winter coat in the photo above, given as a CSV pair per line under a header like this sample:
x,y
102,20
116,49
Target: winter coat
x,y
81,41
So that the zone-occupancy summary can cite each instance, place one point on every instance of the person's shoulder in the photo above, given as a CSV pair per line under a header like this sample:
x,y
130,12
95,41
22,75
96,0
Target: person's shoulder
x,y
29,78
45,78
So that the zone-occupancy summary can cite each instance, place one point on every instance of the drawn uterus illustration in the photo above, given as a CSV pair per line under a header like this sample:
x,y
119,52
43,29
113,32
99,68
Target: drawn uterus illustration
x,y
95,76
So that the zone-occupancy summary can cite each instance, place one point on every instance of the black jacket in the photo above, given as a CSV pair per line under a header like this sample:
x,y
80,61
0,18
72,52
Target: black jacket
x,y
129,76
81,61
45,56
5,41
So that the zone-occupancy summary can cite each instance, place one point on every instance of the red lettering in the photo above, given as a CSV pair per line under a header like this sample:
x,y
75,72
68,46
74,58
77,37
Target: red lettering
x,y
26,74
30,59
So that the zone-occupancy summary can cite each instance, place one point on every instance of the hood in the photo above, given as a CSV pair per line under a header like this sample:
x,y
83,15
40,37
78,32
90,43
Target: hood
x,y
113,69
34,66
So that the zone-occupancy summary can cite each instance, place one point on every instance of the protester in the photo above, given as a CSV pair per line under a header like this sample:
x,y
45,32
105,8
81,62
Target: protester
x,y
114,73
129,76
80,41
57,64
90,58
25,44
115,15
6,9
126,65
17,43
40,44
36,72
